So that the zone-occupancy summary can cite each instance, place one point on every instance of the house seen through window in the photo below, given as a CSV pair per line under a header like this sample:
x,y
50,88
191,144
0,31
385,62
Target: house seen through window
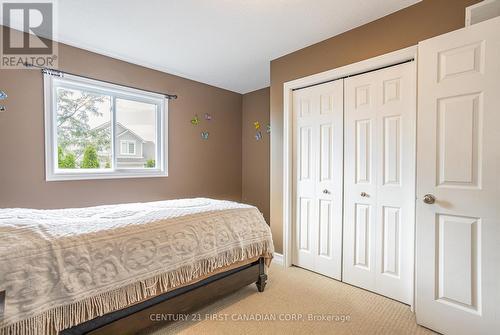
x,y
101,130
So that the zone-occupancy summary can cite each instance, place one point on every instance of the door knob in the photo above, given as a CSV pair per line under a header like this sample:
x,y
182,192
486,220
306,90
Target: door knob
x,y
429,199
325,191
364,194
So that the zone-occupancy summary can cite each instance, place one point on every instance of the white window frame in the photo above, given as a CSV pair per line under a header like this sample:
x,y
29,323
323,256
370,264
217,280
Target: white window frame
x,y
52,170
127,143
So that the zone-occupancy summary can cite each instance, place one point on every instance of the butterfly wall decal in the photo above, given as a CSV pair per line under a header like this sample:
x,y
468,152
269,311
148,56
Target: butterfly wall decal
x,y
256,124
204,135
258,136
268,128
208,117
195,121
3,95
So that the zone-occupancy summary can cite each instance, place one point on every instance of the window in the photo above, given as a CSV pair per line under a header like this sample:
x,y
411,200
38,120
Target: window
x,y
97,130
127,147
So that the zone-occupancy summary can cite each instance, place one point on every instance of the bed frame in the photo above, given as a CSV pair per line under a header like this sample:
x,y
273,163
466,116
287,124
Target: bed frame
x,y
184,300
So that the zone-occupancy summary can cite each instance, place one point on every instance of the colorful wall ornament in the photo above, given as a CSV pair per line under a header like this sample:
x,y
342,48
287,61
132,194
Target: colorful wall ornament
x,y
195,121
258,132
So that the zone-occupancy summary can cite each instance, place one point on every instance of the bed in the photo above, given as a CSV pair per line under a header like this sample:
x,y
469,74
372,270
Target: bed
x,y
89,270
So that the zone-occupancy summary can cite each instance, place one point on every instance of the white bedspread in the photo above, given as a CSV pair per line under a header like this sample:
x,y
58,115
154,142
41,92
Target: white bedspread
x,y
63,267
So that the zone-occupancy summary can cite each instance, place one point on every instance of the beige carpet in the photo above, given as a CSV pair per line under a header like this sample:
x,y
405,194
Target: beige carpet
x,y
294,292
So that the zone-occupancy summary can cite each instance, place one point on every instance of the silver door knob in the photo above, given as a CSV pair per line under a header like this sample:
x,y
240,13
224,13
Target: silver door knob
x,y
429,199
364,194
325,191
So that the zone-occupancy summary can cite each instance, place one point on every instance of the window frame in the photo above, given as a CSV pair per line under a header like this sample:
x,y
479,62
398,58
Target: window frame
x,y
52,171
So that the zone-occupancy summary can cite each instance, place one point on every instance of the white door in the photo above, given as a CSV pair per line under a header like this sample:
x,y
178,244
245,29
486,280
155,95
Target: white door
x,y
458,236
379,211
317,176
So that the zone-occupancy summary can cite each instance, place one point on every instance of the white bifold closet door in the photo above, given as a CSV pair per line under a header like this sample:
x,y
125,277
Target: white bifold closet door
x,y
458,181
317,178
379,181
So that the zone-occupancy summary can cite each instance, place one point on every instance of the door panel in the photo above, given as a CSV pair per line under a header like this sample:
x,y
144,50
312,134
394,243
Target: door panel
x,y
325,224
362,236
359,211
392,150
458,236
458,155
457,239
326,152
363,151
390,240
379,190
318,178
305,153
305,224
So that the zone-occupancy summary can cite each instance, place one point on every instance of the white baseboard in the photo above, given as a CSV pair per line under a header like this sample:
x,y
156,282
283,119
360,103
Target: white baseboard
x,y
278,259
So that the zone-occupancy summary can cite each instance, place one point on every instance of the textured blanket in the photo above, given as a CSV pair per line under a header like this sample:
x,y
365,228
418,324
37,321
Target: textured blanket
x,y
59,268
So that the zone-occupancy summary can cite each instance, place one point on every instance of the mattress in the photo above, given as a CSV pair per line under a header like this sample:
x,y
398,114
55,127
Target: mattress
x,y
59,268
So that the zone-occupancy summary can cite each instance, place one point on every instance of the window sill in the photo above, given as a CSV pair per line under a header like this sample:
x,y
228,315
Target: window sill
x,y
63,176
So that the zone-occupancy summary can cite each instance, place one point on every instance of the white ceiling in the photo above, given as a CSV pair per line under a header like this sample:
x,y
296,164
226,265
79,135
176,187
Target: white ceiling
x,y
225,43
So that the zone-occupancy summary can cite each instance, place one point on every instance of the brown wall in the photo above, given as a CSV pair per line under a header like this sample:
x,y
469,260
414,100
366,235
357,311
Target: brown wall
x,y
396,31
255,154
196,168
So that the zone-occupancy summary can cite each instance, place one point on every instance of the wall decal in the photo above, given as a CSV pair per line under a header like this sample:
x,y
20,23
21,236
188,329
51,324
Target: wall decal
x,y
208,117
3,96
256,124
268,128
204,135
258,136
195,121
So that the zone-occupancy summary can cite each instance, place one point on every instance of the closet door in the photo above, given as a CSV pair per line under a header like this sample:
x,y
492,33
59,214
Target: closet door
x,y
317,176
458,185
380,181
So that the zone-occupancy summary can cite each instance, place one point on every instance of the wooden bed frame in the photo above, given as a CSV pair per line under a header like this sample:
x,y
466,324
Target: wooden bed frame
x,y
183,300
